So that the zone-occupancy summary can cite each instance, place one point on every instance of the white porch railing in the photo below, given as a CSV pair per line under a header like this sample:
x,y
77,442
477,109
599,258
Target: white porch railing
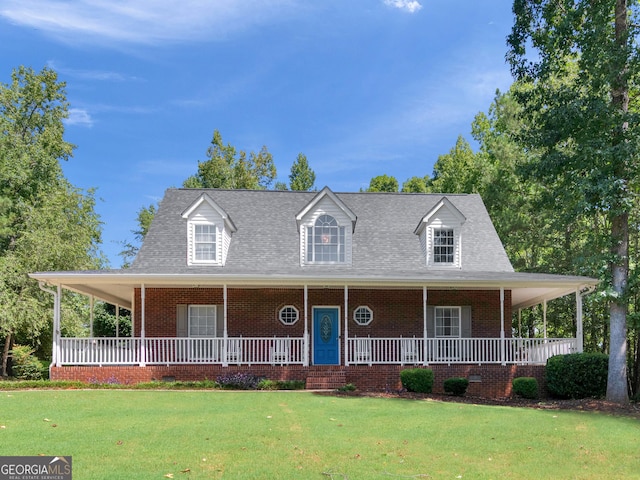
x,y
164,351
418,351
291,350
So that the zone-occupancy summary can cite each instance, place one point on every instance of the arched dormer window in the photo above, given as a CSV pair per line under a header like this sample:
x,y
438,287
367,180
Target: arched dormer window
x,y
325,241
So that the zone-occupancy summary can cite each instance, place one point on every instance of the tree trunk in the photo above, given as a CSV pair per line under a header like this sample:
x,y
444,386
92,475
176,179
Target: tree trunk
x,y
5,354
617,380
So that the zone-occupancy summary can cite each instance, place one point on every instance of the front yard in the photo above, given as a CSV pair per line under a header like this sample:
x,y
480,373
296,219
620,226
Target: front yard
x,y
230,434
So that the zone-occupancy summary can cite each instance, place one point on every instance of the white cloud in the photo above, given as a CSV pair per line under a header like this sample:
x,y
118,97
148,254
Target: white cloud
x,y
142,21
78,116
411,6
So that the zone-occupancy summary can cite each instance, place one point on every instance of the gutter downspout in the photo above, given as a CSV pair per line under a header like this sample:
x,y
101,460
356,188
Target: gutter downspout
x,y
306,327
502,346
55,354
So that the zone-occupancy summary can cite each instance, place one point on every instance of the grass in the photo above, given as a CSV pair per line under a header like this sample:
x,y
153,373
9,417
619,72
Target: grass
x,y
214,434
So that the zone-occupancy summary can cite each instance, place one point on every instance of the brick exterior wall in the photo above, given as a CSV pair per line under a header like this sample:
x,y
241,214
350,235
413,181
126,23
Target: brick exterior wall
x,y
493,381
254,312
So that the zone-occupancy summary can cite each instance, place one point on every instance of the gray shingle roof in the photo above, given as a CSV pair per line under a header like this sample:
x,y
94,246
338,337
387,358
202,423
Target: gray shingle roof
x,y
267,238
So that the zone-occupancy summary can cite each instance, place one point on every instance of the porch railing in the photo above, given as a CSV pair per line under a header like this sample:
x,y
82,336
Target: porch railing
x,y
292,350
418,351
163,351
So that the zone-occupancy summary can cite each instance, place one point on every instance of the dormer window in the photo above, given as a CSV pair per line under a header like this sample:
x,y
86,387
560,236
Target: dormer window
x,y
326,226
325,241
443,245
440,235
204,242
209,231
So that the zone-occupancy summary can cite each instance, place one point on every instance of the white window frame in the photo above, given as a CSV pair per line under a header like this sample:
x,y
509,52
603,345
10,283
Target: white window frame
x,y
194,246
450,249
322,229
357,313
438,315
288,310
211,330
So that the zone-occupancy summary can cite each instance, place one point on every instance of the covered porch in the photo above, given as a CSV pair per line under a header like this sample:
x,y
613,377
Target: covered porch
x,y
402,347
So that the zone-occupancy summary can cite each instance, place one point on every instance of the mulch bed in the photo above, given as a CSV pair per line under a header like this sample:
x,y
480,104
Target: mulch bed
x,y
582,405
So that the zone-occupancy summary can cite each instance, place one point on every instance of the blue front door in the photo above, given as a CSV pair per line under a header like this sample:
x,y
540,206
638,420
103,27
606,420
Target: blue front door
x,y
326,344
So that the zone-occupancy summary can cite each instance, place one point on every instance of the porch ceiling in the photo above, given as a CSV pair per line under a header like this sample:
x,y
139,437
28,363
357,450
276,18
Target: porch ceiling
x,y
117,286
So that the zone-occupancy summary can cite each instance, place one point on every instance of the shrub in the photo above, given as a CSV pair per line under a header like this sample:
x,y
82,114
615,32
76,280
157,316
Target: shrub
x,y
239,381
349,387
24,365
418,380
526,387
456,386
577,375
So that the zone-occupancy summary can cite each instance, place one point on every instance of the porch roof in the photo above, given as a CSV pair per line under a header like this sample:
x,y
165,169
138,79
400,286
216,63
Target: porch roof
x,y
117,286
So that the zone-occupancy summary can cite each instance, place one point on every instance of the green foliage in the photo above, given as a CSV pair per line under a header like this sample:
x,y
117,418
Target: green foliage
x,y
526,387
46,224
239,381
104,322
417,185
349,387
419,380
302,177
577,375
457,172
266,384
456,386
227,168
383,183
24,365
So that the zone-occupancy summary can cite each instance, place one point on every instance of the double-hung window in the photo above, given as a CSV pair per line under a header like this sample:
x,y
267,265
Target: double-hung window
x,y
447,321
443,246
202,320
204,243
326,241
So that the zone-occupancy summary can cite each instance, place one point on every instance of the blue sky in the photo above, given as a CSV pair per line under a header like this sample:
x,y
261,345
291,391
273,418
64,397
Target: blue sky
x,y
361,87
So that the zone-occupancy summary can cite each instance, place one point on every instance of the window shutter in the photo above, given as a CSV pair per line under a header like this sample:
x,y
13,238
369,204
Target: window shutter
x,y
182,321
465,322
431,321
219,320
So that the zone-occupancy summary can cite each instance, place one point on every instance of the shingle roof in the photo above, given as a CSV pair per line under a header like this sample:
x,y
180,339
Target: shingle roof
x,y
267,238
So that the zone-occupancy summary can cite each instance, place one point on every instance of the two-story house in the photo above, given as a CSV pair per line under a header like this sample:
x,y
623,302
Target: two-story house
x,y
331,288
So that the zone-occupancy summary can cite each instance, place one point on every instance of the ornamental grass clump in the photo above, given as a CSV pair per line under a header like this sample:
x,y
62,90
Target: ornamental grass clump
x,y
419,380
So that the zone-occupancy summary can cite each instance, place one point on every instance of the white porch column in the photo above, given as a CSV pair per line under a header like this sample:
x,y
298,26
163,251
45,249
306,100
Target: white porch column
x,y
520,322
57,317
305,360
502,339
544,318
117,320
346,325
143,351
225,332
91,303
579,327
424,325
133,313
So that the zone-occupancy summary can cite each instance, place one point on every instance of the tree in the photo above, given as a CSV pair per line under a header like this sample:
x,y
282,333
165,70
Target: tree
x,y
585,59
45,223
456,172
302,177
383,183
417,185
227,168
144,219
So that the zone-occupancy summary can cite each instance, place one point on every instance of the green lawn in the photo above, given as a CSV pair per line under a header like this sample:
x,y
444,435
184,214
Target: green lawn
x,y
124,434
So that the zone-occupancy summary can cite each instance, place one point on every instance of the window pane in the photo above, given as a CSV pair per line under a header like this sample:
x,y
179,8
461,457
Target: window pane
x,y
202,320
325,241
447,321
205,242
443,245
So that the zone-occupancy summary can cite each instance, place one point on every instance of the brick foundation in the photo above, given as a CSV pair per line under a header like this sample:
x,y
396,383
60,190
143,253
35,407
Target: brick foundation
x,y
489,381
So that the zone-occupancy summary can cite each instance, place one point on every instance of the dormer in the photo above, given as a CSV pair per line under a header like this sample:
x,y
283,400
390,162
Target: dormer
x,y
326,227
209,231
440,237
